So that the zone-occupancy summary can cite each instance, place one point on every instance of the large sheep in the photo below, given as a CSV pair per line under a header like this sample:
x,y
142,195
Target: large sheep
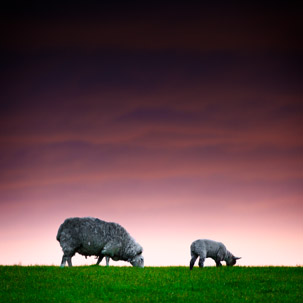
x,y
94,237
204,248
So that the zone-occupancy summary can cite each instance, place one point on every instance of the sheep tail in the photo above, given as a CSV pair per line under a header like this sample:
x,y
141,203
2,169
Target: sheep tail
x,y
59,232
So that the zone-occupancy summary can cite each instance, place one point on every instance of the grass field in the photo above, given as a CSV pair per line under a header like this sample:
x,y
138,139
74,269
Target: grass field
x,y
150,284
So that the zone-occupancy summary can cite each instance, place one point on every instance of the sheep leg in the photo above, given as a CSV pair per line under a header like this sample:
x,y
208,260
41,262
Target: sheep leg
x,y
63,261
192,261
107,260
69,261
100,259
66,258
219,257
201,261
218,263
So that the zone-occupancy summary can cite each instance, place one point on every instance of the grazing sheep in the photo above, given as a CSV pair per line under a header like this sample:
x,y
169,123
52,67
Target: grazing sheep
x,y
93,237
210,249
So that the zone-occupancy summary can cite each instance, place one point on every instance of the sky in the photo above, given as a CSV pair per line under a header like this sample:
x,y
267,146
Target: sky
x,y
177,121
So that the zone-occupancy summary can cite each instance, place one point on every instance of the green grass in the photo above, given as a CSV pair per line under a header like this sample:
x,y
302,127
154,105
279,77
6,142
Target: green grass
x,y
150,284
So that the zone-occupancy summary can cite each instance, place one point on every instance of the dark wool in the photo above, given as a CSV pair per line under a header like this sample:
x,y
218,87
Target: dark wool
x,y
93,237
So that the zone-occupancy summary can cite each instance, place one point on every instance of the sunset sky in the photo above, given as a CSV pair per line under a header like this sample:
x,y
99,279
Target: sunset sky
x,y
176,121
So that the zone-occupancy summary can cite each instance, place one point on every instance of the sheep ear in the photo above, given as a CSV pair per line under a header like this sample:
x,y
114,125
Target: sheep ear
x,y
237,258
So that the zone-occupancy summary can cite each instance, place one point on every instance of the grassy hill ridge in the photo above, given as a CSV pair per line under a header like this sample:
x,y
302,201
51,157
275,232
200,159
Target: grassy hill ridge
x,y
150,284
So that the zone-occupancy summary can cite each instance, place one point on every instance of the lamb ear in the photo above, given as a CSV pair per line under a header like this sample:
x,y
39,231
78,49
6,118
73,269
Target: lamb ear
x,y
237,258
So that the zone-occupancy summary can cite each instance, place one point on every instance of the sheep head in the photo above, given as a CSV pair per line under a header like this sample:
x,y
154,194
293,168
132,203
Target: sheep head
x,y
137,261
232,260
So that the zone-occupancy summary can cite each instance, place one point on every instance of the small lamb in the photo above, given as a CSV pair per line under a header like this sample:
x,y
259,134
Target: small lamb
x,y
204,248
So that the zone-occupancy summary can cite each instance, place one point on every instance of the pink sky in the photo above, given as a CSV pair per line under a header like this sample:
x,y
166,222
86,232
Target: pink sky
x,y
171,130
